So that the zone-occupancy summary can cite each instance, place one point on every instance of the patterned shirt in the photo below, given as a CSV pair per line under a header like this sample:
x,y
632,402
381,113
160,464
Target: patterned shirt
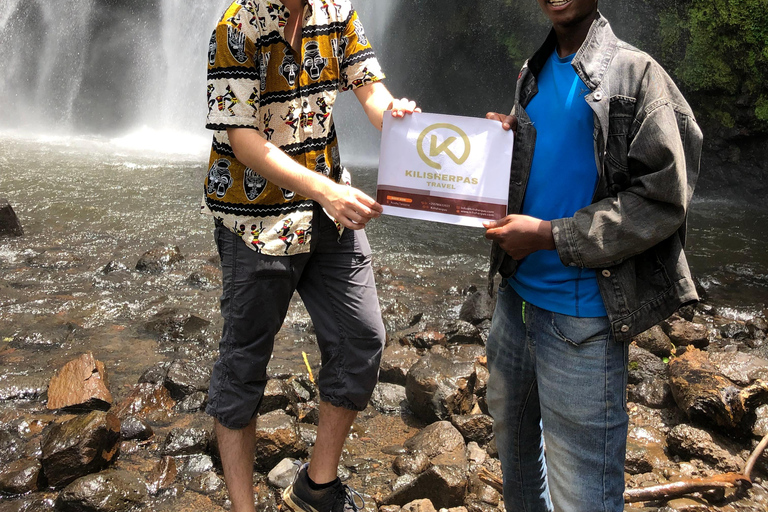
x,y
257,80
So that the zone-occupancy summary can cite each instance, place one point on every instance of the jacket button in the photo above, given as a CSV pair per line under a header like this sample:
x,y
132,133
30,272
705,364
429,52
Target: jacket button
x,y
606,273
624,328
598,95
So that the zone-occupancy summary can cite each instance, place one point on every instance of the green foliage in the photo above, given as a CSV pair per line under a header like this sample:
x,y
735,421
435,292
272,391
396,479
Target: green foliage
x,y
761,108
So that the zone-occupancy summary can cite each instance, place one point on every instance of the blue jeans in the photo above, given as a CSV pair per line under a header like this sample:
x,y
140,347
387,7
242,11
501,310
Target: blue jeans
x,y
566,377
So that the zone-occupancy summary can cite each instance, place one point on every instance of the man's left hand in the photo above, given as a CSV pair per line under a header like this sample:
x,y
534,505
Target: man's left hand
x,y
520,235
403,106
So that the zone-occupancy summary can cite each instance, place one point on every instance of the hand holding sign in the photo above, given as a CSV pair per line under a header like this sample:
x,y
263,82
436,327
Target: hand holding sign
x,y
445,168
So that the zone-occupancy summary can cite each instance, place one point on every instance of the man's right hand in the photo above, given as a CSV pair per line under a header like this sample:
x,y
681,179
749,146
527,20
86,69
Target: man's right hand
x,y
508,122
349,206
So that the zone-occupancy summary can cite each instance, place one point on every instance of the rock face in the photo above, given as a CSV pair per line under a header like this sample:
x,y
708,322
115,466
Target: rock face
x,y
80,446
707,396
110,491
437,388
81,384
9,222
159,259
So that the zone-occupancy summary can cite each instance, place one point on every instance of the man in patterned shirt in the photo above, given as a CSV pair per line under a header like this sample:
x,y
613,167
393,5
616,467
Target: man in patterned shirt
x,y
287,220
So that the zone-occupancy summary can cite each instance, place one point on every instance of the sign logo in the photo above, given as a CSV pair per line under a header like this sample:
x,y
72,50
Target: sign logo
x,y
436,149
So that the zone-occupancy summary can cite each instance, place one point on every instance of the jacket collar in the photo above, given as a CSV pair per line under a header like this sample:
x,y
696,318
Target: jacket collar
x,y
591,60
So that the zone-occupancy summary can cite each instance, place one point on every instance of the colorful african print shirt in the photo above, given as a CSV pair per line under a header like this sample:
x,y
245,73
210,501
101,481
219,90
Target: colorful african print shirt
x,y
257,80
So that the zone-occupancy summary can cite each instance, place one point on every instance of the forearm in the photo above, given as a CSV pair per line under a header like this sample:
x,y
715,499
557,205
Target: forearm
x,y
375,100
275,165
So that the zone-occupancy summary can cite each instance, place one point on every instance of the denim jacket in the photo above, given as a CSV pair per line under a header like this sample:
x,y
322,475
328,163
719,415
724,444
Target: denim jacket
x,y
647,150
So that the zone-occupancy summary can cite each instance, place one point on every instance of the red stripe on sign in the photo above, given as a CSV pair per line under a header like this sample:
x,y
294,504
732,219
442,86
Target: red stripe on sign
x,y
414,200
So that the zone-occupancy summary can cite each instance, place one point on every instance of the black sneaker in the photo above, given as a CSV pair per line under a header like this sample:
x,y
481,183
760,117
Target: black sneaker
x,y
300,497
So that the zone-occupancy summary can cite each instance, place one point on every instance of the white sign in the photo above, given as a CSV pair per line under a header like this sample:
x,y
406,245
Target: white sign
x,y
444,168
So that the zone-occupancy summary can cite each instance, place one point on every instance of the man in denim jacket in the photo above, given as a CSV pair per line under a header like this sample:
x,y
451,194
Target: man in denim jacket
x,y
606,159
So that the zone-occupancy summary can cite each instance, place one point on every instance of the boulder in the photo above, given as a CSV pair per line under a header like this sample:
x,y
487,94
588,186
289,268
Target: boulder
x,y
397,316
411,463
683,333
419,506
80,446
277,438
444,486
20,476
282,475
387,398
655,341
437,388
474,427
647,379
186,377
186,441
462,332
424,339
478,307
395,363
9,222
439,437
159,259
171,324
275,397
23,387
739,367
162,475
690,442
110,491
133,428
149,402
82,384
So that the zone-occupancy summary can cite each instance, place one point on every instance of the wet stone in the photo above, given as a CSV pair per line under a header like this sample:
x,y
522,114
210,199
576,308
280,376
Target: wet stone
x,y
207,483
277,438
155,374
683,332
162,475
690,442
114,266
444,486
206,278
133,428
424,339
9,222
411,463
395,363
647,379
387,398
110,491
397,316
437,438
30,504
307,412
44,336
81,385
193,464
282,475
275,397
655,341
299,389
186,441
148,402
195,402
59,259
20,476
437,388
474,427
159,259
637,458
478,307
23,387
462,332
77,447
11,446
419,506
760,427
186,377
171,324
741,368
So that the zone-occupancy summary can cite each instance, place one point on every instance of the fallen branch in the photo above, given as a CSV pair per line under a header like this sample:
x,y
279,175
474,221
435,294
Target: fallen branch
x,y
489,478
752,460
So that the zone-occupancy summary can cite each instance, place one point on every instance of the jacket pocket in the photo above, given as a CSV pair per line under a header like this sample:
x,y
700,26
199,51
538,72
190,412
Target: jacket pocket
x,y
620,118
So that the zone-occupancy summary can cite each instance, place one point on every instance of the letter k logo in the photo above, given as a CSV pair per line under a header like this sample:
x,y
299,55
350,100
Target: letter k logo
x,y
436,150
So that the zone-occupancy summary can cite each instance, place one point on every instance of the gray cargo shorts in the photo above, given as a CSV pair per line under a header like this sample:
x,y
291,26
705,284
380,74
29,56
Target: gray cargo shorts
x,y
335,281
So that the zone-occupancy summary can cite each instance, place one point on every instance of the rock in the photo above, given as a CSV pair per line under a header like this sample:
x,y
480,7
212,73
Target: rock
x,y
474,427
150,402
195,402
411,463
277,438
424,339
395,363
275,397
159,259
462,332
437,438
162,475
760,427
282,475
708,397
655,341
23,387
690,442
193,465
207,483
206,278
397,316
9,222
82,385
647,379
186,441
30,504
133,428
637,459
419,506
43,336
478,307
444,486
77,447
390,508
743,369
20,477
114,266
438,388
185,378
155,374
387,398
684,333
58,259
475,454
110,491
171,324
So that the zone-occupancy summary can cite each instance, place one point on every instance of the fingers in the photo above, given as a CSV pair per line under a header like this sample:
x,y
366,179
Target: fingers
x,y
404,106
508,122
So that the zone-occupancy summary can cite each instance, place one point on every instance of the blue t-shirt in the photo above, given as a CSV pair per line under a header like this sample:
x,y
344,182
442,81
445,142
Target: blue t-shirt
x,y
563,180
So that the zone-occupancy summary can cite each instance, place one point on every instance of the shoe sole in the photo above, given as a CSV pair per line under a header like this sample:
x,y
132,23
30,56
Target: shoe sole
x,y
294,503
